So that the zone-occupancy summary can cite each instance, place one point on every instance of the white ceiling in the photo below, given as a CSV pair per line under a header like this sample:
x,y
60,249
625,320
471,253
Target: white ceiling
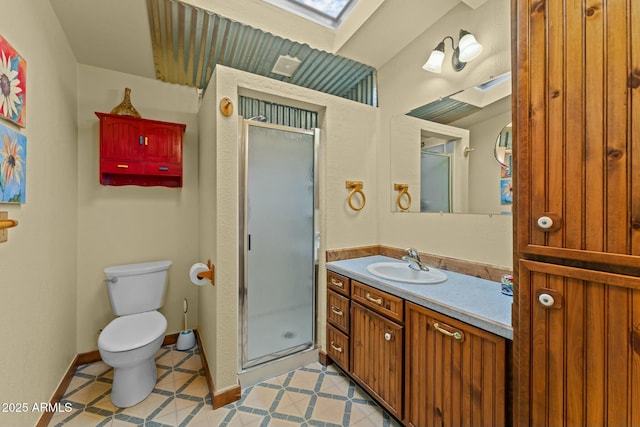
x,y
114,34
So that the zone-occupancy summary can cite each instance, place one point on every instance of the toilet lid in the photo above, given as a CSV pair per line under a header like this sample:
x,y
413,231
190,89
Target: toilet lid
x,y
132,331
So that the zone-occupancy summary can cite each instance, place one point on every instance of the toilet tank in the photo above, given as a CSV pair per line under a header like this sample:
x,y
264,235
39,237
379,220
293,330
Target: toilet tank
x,y
136,288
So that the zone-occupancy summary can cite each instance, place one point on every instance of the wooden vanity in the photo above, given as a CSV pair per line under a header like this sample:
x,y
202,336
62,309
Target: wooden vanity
x,y
424,367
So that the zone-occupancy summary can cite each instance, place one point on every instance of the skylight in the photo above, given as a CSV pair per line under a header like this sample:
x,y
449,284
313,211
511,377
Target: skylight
x,y
330,13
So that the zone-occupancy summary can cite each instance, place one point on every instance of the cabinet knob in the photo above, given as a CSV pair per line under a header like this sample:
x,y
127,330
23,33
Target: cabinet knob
x,y
545,222
546,300
388,336
548,222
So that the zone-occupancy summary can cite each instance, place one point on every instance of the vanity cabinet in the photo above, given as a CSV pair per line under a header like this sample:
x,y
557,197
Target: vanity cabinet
x,y
137,151
425,368
455,373
377,340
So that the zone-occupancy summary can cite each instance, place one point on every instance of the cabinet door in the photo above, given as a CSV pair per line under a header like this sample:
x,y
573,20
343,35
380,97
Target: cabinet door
x,y
455,373
163,142
577,139
120,140
583,350
377,356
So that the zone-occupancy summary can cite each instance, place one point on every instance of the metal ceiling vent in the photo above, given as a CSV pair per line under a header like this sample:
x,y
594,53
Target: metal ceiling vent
x,y
286,65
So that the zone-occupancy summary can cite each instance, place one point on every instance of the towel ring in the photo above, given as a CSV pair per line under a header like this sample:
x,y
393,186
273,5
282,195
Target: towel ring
x,y
356,187
404,191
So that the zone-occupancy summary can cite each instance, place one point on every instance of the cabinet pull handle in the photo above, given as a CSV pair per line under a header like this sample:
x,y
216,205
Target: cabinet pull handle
x,y
374,300
388,336
457,335
163,168
123,166
336,310
141,140
146,140
337,283
336,347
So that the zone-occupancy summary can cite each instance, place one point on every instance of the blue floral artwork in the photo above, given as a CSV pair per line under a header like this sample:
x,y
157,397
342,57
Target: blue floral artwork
x,y
506,192
13,164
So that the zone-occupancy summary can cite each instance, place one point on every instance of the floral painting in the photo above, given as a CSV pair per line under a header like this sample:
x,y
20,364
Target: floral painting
x,y
506,192
13,157
13,84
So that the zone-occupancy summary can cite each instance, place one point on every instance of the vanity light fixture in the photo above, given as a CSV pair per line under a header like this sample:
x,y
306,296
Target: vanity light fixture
x,y
467,50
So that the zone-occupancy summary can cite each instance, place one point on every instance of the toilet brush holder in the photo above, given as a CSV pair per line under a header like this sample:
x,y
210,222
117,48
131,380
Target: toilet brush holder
x,y
186,340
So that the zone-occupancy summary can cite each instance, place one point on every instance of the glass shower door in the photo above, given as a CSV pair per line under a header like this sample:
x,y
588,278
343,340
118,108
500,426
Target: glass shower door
x,y
279,254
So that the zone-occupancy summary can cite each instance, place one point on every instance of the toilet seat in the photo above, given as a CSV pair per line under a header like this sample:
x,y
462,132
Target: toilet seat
x,y
132,331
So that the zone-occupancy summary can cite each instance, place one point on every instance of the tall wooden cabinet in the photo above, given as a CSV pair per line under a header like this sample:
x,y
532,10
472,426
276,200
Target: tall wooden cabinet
x,y
577,212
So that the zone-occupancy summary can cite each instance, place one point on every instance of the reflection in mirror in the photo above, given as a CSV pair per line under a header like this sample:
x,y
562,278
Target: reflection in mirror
x,y
503,148
446,151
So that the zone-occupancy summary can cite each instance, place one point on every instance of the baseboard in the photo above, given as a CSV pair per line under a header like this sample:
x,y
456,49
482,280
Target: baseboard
x,y
46,416
227,396
324,359
205,366
92,357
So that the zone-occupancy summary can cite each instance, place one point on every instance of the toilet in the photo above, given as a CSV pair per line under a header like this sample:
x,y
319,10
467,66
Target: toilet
x,y
130,341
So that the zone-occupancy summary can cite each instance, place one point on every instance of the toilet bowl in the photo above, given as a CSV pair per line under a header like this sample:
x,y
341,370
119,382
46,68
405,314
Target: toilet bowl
x,y
129,342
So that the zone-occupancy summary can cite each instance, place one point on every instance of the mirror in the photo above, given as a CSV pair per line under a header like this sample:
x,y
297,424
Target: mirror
x,y
503,148
445,152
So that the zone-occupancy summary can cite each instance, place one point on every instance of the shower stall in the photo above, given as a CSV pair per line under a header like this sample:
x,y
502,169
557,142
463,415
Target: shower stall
x,y
277,241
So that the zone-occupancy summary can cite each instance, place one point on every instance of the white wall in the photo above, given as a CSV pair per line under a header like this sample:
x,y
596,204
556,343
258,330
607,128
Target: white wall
x,y
129,224
404,85
38,263
348,151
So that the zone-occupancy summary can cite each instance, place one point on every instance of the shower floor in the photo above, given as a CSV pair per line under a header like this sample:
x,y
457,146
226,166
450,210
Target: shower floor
x,y
291,332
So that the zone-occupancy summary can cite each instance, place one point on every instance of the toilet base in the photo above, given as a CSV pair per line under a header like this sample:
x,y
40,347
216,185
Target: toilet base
x,y
132,384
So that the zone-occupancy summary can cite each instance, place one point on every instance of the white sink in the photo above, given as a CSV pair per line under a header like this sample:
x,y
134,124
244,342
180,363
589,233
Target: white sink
x,y
400,272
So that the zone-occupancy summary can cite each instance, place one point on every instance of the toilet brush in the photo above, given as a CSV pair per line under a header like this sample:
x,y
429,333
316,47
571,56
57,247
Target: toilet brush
x,y
186,339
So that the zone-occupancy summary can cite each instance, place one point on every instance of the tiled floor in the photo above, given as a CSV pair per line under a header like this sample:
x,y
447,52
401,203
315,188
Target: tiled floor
x,y
310,396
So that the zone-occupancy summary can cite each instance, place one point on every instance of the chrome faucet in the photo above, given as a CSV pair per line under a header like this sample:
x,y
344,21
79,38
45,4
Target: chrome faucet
x,y
415,263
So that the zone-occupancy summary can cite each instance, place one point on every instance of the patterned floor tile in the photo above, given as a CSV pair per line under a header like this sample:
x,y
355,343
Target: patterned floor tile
x,y
313,395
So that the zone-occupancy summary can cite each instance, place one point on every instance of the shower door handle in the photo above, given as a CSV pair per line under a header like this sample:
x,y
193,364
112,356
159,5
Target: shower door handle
x,y
248,242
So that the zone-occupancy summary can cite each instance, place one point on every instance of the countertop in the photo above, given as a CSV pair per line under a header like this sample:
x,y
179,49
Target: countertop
x,y
469,299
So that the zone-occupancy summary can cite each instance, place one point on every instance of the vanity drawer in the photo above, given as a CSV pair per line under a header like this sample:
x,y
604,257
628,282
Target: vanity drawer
x,y
338,283
378,301
338,347
338,311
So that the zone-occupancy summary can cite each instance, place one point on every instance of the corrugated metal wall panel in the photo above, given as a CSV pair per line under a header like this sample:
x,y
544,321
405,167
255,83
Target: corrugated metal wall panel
x,y
277,114
189,42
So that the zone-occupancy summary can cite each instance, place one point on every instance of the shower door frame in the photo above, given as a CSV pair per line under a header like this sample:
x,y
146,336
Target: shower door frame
x,y
243,156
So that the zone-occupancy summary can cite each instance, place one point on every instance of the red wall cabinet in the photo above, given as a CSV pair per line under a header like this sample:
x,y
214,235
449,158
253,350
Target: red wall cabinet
x,y
140,151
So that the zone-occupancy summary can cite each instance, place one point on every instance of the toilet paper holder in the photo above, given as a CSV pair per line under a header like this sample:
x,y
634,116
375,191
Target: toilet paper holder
x,y
209,274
